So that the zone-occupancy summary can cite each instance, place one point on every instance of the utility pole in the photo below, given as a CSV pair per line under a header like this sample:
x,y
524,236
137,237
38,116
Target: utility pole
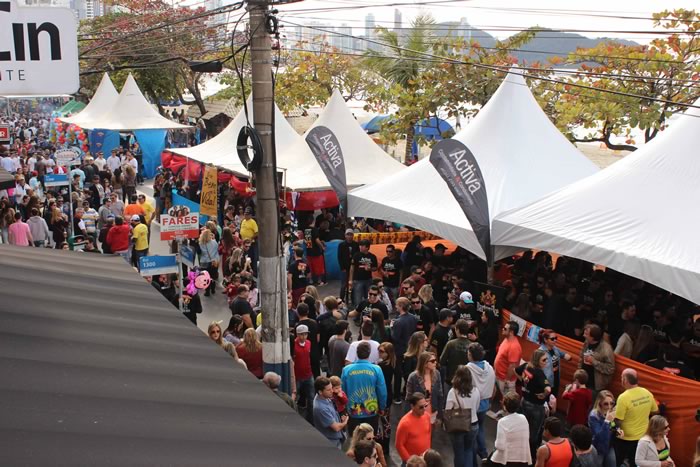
x,y
272,271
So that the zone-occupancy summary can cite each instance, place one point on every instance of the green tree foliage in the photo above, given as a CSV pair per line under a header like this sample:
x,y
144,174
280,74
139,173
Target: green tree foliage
x,y
153,40
668,69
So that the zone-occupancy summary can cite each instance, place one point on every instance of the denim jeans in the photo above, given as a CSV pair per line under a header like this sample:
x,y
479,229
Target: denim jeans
x,y
535,417
609,460
481,449
344,286
306,388
359,291
463,445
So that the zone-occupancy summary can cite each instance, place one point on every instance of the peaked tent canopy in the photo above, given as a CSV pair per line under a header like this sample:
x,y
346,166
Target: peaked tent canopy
x,y
293,154
636,216
99,371
522,157
101,103
365,162
131,112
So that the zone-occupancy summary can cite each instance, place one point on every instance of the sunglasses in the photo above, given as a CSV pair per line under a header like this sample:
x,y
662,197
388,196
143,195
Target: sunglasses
x,y
553,339
373,295
416,303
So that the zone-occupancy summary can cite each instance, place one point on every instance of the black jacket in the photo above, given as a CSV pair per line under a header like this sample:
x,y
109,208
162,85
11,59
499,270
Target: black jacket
x,y
345,252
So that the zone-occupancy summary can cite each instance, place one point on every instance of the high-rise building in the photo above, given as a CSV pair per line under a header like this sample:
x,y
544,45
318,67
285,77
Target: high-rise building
x,y
369,26
397,20
346,38
88,9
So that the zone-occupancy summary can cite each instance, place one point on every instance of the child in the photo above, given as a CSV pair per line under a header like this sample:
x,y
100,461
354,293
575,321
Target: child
x,y
339,398
580,399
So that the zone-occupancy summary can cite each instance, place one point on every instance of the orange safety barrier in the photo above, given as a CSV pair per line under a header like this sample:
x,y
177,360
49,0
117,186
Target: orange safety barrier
x,y
680,395
379,249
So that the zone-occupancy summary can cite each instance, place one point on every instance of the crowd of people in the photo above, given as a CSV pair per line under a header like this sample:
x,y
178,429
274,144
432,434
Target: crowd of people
x,y
401,352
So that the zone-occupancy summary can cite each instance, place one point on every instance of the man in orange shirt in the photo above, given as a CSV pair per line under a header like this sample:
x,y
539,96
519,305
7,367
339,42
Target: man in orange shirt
x,y
414,430
133,208
508,357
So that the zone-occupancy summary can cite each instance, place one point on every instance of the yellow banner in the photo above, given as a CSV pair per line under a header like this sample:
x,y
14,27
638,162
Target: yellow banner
x,y
394,237
208,202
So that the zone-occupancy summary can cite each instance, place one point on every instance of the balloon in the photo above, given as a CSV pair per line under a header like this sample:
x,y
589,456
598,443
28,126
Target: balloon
x,y
203,280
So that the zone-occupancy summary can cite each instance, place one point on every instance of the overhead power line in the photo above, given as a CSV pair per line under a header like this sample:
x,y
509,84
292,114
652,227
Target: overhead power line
x,y
502,69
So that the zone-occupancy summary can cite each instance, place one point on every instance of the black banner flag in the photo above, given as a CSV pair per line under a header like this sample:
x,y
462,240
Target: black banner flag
x,y
326,148
457,166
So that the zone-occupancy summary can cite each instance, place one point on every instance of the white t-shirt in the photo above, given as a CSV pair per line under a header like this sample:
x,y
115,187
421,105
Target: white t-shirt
x,y
373,353
100,163
114,162
471,402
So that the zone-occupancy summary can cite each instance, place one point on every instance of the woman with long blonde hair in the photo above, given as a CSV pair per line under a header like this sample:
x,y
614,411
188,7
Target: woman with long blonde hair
x,y
215,334
417,344
209,258
599,421
250,351
364,431
653,449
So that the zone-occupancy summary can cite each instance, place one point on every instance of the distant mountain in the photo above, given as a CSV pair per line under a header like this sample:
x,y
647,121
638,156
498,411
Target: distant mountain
x,y
541,48
548,44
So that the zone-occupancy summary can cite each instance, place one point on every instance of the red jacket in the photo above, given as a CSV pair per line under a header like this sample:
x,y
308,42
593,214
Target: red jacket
x,y
118,237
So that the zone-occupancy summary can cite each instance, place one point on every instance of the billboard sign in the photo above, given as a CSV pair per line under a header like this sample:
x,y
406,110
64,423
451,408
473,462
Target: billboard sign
x,y
179,222
38,51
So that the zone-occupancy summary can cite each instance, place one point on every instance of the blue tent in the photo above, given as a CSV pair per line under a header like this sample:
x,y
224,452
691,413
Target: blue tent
x,y
374,125
434,128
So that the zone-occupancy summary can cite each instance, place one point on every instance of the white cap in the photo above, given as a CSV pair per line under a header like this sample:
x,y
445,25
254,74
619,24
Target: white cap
x,y
466,297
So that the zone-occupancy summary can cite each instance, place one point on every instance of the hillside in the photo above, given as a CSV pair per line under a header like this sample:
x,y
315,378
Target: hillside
x,y
545,45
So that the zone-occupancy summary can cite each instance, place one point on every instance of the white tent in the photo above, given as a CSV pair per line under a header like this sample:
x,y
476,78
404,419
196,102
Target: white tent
x,y
99,106
365,162
131,112
522,157
300,170
638,216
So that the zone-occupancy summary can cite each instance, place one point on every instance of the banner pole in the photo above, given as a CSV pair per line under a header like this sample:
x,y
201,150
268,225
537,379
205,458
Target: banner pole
x,y
179,274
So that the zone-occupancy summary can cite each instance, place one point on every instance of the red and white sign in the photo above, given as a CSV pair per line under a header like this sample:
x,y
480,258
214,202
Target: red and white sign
x,y
4,134
184,226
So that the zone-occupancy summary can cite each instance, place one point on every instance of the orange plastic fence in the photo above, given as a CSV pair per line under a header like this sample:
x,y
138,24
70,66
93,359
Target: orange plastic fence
x,y
680,395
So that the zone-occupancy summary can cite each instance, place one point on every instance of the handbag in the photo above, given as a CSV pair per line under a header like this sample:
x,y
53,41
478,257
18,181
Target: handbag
x,y
457,420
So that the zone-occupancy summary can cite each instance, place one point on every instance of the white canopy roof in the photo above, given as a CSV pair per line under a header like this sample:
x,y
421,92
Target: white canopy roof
x,y
131,112
638,216
365,162
293,154
101,103
522,157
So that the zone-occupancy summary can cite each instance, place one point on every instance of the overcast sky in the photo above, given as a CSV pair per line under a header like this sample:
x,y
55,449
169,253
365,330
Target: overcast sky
x,y
490,14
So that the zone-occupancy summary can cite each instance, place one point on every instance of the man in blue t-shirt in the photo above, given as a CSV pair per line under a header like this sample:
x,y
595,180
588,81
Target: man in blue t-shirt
x,y
326,417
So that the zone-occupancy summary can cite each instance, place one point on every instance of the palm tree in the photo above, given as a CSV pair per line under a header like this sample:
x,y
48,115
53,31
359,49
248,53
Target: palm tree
x,y
402,60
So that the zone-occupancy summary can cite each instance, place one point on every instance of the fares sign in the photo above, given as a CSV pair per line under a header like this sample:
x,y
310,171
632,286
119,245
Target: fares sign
x,y
184,225
38,51
4,134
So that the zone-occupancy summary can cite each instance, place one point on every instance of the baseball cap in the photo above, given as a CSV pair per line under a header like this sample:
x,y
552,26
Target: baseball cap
x,y
302,329
136,217
466,297
349,231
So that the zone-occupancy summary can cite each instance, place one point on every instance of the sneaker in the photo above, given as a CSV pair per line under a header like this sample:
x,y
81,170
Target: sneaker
x,y
397,401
